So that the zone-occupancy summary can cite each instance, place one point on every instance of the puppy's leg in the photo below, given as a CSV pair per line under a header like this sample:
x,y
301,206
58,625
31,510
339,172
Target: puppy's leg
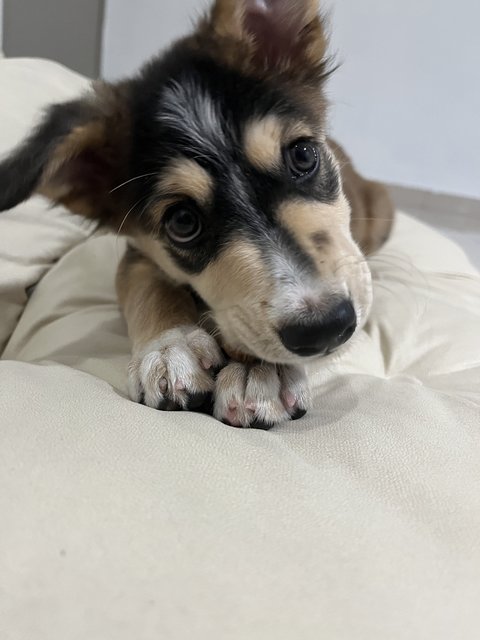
x,y
173,359
372,208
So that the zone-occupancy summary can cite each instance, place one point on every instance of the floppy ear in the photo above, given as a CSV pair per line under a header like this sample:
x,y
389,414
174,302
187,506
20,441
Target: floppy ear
x,y
286,35
76,156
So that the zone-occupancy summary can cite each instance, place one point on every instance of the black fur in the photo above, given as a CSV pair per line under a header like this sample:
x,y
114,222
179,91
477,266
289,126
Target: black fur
x,y
245,199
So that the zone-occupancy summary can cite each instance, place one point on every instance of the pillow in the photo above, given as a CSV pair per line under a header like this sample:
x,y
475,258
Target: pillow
x,y
33,236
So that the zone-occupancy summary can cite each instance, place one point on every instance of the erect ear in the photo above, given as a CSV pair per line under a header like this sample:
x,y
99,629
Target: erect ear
x,y
285,35
76,156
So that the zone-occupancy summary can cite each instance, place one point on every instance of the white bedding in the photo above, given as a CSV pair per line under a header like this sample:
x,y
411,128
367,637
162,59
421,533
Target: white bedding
x,y
361,521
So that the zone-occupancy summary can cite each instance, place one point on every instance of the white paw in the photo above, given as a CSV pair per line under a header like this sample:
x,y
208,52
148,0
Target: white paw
x,y
176,371
260,395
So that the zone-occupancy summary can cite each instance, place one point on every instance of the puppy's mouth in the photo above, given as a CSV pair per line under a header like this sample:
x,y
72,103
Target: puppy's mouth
x,y
288,318
293,342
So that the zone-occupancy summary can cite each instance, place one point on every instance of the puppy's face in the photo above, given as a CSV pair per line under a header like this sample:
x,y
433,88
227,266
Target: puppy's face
x,y
230,186
249,212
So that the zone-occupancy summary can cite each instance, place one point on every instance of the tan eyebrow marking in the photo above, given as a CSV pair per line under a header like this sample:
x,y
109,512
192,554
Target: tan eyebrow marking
x,y
184,177
263,142
265,137
181,178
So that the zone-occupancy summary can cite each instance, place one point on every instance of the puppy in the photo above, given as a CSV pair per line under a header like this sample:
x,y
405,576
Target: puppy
x,y
246,224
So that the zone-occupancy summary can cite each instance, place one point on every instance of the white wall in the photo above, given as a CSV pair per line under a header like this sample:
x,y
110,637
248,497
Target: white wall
x,y
406,101
134,30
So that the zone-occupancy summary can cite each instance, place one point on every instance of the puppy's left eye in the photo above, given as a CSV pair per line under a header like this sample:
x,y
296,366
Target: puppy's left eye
x,y
302,159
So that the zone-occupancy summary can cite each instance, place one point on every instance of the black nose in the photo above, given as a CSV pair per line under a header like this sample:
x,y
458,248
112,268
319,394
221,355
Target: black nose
x,y
321,337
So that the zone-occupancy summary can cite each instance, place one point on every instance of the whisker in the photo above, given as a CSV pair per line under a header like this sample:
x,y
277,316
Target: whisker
x,y
354,218
349,262
145,175
128,213
398,266
147,204
125,220
395,261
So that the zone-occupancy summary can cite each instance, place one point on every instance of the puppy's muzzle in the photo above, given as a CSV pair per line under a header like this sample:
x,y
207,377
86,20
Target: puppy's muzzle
x,y
313,337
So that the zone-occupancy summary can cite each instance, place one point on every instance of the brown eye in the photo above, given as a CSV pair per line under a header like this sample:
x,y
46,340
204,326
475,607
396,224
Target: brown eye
x,y
302,159
183,224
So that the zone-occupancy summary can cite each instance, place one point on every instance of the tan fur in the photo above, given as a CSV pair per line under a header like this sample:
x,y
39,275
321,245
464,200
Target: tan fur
x,y
323,231
372,208
238,356
185,177
235,275
263,142
106,138
90,136
296,130
150,300
55,183
320,239
227,19
226,37
265,137
320,229
150,303
305,218
158,254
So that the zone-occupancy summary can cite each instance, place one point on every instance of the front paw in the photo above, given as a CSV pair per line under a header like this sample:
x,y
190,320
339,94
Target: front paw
x,y
176,371
260,395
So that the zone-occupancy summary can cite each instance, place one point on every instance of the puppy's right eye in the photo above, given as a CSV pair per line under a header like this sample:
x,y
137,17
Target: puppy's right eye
x,y
302,159
183,224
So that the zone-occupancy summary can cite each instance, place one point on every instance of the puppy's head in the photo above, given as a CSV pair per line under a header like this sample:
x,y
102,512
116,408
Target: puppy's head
x,y
215,160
